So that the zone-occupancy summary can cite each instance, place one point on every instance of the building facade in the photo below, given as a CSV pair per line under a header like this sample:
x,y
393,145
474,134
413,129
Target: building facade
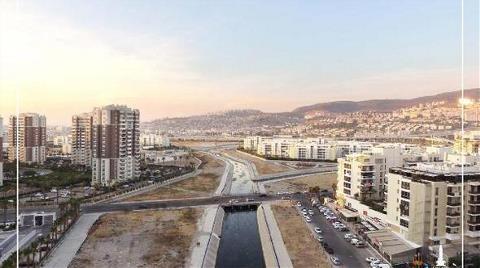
x,y
115,144
424,202
361,176
81,139
30,134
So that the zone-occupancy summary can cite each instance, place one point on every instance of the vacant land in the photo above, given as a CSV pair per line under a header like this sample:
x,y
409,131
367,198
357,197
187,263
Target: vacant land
x,y
263,166
203,144
204,184
139,239
302,247
324,181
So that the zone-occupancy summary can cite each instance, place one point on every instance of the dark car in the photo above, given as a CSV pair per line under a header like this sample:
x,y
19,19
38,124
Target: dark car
x,y
329,250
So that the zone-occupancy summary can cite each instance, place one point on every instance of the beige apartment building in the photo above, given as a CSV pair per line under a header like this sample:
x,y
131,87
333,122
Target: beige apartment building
x,y
361,176
31,137
81,139
115,144
424,202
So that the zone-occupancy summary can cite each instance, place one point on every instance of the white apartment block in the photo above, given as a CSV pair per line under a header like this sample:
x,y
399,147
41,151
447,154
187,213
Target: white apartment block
x,y
153,139
361,176
115,144
424,202
302,148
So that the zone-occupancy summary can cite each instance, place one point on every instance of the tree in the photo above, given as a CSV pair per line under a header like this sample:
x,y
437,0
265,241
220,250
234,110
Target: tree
x,y
334,188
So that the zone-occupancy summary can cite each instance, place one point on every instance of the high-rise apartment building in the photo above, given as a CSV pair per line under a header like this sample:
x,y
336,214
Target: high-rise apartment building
x,y
31,135
115,144
81,139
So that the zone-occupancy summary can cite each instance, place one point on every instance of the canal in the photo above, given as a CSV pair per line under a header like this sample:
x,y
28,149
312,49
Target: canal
x,y
240,244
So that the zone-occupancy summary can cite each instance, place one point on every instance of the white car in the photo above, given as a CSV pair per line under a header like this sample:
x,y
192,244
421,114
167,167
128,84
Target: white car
x,y
382,265
308,219
370,259
354,241
349,236
318,230
375,263
335,260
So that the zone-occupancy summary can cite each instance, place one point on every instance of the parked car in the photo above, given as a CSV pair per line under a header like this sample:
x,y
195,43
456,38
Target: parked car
x,y
371,259
382,265
360,244
318,230
335,260
329,250
320,239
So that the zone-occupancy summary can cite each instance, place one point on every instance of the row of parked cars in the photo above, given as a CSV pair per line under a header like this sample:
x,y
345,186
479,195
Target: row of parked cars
x,y
307,213
353,239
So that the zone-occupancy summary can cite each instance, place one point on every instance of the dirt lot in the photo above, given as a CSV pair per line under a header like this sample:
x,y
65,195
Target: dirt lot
x,y
201,185
204,144
324,181
302,247
263,166
139,239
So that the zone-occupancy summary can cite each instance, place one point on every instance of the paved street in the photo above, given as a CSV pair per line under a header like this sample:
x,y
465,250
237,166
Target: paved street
x,y
177,203
349,255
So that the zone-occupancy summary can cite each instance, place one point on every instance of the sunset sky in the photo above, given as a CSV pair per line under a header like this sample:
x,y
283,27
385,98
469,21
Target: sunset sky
x,y
176,58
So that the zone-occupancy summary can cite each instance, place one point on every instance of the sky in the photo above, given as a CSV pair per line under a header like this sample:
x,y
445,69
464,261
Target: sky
x,y
179,58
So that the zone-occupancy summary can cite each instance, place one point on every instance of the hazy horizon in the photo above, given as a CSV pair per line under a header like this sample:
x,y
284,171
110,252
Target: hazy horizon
x,y
189,58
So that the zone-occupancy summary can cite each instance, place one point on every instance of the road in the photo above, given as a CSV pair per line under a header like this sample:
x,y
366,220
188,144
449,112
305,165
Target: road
x,y
178,203
349,255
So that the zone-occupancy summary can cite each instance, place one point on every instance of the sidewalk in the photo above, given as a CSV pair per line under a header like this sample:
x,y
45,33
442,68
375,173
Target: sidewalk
x,y
65,251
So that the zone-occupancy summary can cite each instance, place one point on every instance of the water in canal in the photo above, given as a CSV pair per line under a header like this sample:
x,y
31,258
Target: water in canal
x,y
240,245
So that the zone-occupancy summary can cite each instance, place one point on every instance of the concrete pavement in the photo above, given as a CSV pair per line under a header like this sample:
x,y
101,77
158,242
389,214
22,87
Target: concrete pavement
x,y
65,251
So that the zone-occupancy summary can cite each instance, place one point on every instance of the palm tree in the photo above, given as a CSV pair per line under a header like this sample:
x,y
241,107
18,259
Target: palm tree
x,y
33,249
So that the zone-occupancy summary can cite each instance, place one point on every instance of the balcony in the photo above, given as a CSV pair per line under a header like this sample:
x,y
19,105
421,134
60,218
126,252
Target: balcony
x,y
474,212
474,221
453,194
474,202
453,203
452,224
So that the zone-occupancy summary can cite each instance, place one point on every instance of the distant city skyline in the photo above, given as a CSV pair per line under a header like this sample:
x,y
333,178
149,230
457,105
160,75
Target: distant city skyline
x,y
188,57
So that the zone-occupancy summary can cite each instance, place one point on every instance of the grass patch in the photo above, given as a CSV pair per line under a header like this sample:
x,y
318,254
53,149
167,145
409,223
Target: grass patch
x,y
58,178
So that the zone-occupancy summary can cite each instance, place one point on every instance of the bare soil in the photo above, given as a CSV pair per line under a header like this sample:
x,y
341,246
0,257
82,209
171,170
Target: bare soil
x,y
202,185
302,247
139,239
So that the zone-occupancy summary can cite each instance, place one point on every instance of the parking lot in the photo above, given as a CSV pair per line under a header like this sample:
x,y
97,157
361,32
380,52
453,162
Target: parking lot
x,y
348,254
